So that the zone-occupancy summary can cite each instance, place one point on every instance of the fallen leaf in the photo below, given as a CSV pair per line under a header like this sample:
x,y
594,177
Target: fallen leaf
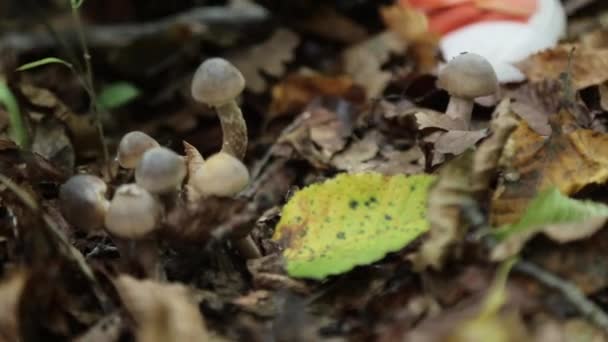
x,y
446,198
363,61
194,160
82,129
163,312
456,142
412,26
331,24
582,262
536,102
353,158
319,133
52,142
589,65
566,160
269,57
295,91
488,154
11,290
351,220
433,119
560,218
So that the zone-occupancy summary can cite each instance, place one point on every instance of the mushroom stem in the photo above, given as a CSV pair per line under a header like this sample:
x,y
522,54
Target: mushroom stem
x,y
247,247
234,129
461,109
142,255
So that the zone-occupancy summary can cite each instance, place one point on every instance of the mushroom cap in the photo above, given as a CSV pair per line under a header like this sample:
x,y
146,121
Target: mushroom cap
x,y
160,170
131,148
133,212
217,82
82,201
468,76
221,175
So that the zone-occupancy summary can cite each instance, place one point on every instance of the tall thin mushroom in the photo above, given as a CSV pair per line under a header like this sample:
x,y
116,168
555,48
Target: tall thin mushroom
x,y
218,83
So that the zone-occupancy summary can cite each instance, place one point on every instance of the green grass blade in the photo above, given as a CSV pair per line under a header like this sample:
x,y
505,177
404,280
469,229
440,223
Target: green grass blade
x,y
44,61
17,130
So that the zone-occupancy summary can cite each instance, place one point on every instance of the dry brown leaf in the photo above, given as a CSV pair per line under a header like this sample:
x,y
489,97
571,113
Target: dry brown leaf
x,y
52,142
582,262
354,157
412,26
194,160
487,156
269,57
296,91
162,312
363,61
433,119
535,118
319,134
449,194
331,24
566,160
456,142
84,134
394,162
10,293
589,65
536,102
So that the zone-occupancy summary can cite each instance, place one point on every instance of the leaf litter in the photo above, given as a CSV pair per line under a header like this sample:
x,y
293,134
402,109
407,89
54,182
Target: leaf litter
x,y
373,216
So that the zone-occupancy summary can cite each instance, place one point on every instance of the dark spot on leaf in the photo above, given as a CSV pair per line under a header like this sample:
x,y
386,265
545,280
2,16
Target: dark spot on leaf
x,y
388,217
341,235
353,204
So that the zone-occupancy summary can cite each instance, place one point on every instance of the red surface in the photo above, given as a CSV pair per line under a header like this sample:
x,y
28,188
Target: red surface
x,y
448,15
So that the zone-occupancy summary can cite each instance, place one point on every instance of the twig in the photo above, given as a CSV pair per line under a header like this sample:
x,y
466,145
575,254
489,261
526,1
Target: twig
x,y
586,307
99,36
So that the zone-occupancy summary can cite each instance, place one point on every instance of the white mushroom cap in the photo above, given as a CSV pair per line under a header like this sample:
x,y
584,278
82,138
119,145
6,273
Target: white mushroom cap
x,y
133,212
82,201
160,170
217,82
132,147
220,175
468,76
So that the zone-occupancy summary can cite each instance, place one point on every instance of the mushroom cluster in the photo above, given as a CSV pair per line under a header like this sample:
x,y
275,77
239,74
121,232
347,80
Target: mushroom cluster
x,y
135,212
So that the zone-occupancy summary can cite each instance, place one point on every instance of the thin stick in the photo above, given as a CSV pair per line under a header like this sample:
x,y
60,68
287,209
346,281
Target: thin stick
x,y
572,293
91,89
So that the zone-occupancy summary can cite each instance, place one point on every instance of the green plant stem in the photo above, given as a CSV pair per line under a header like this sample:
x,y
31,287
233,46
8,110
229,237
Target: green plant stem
x,y
90,88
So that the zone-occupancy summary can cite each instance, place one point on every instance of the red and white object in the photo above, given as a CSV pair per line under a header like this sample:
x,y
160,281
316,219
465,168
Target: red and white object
x,y
502,31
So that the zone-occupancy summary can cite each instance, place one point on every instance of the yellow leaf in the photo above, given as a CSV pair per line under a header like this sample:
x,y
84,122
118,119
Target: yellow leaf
x,y
350,220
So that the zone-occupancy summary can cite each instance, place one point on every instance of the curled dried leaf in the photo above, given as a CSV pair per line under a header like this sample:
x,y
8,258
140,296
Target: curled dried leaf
x,y
163,312
270,57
